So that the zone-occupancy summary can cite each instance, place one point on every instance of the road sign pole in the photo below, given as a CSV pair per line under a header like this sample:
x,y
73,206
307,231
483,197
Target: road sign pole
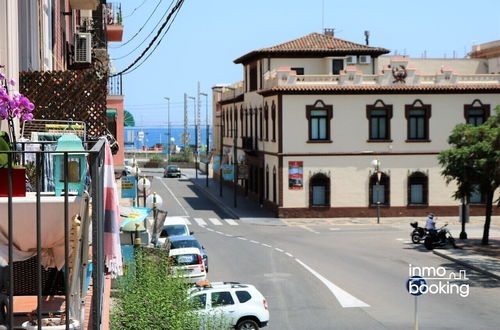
x,y
416,314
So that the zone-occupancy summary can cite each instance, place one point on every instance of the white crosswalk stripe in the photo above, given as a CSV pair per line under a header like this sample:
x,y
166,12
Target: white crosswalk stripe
x,y
215,221
200,222
231,222
187,221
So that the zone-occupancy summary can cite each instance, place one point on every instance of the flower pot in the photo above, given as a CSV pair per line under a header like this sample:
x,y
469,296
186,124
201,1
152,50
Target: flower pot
x,y
18,182
56,320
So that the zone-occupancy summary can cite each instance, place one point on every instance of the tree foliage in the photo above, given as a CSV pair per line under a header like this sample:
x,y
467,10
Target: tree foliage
x,y
473,161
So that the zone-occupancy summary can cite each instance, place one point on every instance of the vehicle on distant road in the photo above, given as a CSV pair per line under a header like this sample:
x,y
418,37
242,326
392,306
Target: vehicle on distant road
x,y
172,171
178,242
241,306
188,262
172,226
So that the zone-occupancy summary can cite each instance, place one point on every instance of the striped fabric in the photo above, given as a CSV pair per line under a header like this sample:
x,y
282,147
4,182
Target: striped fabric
x,y
112,249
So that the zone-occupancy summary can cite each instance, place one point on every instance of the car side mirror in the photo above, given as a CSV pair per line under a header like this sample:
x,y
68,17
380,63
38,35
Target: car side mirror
x,y
191,232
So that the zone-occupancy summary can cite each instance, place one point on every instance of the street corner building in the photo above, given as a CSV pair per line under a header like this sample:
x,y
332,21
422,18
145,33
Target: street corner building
x,y
326,127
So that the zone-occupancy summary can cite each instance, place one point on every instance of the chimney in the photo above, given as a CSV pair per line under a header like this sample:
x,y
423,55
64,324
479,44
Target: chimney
x,y
329,32
367,37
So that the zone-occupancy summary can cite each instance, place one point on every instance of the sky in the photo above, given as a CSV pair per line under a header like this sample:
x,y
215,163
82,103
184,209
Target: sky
x,y
208,35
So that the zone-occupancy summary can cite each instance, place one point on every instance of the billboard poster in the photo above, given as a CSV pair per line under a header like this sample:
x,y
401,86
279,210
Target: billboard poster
x,y
216,163
228,172
242,172
128,186
295,175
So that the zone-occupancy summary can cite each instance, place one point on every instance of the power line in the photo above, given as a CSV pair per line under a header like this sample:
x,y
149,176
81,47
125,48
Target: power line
x,y
156,46
177,7
133,11
142,27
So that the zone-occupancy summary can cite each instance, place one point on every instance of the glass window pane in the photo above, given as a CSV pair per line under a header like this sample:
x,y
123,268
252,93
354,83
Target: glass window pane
x,y
319,193
374,132
322,128
222,298
413,128
416,194
475,196
379,112
318,113
417,112
421,128
314,128
378,194
382,129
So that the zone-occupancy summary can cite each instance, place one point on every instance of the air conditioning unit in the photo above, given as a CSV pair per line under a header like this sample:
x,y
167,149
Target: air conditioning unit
x,y
351,60
83,48
364,59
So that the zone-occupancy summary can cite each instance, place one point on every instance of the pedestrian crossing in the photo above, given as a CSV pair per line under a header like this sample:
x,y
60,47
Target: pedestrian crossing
x,y
211,222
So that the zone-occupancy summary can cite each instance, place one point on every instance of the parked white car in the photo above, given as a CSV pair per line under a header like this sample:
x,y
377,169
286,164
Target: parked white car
x,y
188,262
173,226
241,306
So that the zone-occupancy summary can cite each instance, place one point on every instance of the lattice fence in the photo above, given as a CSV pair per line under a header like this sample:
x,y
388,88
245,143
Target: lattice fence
x,y
74,94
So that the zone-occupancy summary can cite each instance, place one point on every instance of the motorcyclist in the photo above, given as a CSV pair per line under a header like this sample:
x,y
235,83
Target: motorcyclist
x,y
430,223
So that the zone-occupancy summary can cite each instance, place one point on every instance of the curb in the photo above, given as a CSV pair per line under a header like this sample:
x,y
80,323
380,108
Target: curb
x,y
477,269
215,200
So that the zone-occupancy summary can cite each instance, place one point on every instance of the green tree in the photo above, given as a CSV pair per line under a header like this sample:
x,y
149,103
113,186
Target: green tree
x,y
473,161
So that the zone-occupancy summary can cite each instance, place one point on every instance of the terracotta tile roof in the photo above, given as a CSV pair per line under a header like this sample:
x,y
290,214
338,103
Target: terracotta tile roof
x,y
387,89
314,44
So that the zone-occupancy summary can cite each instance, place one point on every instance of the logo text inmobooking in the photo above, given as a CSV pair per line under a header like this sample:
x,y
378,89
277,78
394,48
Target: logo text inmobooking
x,y
438,281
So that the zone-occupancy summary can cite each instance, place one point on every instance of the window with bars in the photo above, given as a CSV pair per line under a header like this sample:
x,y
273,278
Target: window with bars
x,y
418,189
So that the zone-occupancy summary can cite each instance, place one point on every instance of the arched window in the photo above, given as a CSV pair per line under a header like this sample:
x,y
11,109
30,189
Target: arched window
x,y
476,113
267,182
274,185
379,121
273,123
418,189
319,190
266,120
417,118
379,190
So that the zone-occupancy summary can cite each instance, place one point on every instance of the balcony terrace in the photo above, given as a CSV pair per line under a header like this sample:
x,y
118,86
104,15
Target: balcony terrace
x,y
114,27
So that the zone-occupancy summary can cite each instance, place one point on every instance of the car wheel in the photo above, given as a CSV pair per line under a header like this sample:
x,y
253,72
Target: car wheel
x,y
415,238
247,325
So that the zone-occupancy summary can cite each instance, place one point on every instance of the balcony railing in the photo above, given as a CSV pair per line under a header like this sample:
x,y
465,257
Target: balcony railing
x,y
115,85
42,230
113,13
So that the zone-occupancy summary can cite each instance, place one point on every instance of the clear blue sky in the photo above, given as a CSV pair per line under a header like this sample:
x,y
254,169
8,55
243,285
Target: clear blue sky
x,y
208,35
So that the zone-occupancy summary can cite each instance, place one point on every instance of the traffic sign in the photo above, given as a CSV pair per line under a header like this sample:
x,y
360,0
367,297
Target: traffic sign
x,y
416,285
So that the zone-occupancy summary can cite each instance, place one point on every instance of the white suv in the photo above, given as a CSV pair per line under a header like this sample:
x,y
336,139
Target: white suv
x,y
241,305
188,262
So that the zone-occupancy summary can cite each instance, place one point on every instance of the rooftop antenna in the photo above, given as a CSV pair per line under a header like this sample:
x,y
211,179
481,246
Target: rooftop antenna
x,y
323,16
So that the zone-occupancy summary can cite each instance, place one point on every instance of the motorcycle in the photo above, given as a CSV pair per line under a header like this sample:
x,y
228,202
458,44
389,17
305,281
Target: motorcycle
x,y
418,234
439,238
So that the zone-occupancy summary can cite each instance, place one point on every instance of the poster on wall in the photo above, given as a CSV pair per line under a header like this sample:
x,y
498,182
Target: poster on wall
x,y
295,175
216,163
242,172
228,172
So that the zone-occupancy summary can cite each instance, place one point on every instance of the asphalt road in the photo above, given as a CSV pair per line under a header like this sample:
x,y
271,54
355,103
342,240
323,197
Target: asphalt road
x,y
343,277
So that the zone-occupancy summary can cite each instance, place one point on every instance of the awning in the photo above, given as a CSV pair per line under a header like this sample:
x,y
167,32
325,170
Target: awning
x,y
111,112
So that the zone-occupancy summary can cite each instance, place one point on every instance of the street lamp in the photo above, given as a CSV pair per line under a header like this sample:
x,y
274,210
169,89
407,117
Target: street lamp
x,y
376,165
195,152
207,134
168,128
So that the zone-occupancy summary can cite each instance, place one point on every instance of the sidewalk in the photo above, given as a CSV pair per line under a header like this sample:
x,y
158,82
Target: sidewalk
x,y
246,210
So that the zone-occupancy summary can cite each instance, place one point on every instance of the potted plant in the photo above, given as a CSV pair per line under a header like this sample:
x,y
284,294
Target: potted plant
x,y
12,107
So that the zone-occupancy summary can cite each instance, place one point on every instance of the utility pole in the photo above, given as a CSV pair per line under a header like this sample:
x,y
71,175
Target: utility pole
x,y
168,129
198,120
185,135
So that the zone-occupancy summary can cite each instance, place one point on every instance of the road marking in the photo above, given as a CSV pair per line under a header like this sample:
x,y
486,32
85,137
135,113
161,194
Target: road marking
x,y
219,232
289,254
309,229
187,221
231,222
345,299
266,245
279,250
242,238
334,228
254,242
209,229
171,193
400,239
215,221
228,235
200,222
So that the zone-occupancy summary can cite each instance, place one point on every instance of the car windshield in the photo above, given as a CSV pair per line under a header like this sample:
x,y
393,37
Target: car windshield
x,y
172,168
185,244
173,230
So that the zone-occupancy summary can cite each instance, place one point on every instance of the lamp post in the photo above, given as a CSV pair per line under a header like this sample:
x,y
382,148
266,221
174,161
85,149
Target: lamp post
x,y
195,151
168,128
376,165
207,132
